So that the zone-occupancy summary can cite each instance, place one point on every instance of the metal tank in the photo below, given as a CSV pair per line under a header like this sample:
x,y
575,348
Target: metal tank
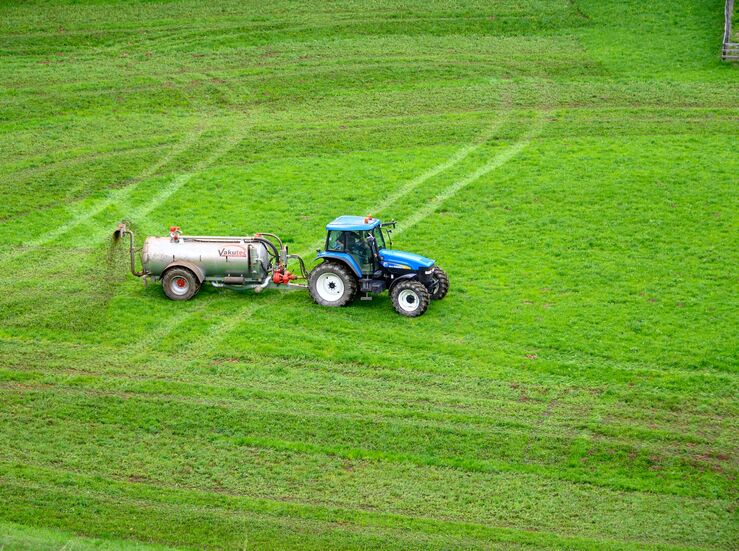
x,y
185,262
245,259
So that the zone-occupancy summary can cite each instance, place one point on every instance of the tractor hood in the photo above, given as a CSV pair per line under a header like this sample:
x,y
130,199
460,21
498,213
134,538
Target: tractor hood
x,y
401,259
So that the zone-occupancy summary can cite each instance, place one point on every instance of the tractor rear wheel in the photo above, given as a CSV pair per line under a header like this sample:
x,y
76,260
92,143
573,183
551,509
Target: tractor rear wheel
x,y
440,287
410,298
332,284
180,284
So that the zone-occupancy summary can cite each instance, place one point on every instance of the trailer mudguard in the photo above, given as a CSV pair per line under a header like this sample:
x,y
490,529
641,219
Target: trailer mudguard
x,y
346,258
194,268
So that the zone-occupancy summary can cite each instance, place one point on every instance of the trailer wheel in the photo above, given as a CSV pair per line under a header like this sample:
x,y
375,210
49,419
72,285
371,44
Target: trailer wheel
x,y
180,284
410,298
440,286
332,284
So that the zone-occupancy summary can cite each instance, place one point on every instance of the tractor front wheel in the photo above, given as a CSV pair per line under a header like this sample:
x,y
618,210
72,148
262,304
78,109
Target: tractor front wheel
x,y
410,298
332,284
440,286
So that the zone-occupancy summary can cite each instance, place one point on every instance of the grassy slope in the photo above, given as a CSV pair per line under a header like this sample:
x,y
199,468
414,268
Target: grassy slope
x,y
576,389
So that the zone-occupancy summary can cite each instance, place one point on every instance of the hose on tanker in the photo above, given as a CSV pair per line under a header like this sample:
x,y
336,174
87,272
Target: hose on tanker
x,y
303,270
273,236
268,244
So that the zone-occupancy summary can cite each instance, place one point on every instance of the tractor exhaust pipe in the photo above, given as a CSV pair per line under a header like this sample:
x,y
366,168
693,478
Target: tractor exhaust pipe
x,y
120,232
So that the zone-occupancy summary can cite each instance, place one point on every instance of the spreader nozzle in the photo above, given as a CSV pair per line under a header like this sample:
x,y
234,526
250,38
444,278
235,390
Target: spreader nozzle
x,y
119,232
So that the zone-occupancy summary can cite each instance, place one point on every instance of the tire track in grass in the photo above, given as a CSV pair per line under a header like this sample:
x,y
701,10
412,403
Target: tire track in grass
x,y
215,333
95,237
113,383
239,125
48,354
103,234
24,174
115,197
177,183
312,427
499,160
316,404
413,184
141,346
127,497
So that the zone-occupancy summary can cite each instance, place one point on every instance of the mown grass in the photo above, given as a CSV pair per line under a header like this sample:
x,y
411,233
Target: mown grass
x,y
571,164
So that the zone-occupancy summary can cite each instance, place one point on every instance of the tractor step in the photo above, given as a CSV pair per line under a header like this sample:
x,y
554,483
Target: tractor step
x,y
366,297
367,285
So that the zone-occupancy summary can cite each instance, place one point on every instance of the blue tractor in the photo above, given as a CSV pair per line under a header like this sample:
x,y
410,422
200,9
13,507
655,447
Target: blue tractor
x,y
357,262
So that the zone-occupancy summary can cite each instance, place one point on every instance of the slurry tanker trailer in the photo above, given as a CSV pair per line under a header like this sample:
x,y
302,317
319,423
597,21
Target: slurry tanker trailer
x,y
356,262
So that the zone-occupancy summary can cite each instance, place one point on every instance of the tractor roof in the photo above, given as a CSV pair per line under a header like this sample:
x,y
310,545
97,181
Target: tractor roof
x,y
343,223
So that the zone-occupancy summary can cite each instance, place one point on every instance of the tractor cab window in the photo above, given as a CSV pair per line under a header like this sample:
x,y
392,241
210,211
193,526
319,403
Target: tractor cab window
x,y
334,242
358,246
379,238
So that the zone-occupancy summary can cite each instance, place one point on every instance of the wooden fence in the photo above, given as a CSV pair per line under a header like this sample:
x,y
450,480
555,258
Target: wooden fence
x,y
730,50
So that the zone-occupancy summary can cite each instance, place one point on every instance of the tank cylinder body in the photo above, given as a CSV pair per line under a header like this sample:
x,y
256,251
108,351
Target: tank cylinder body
x,y
229,260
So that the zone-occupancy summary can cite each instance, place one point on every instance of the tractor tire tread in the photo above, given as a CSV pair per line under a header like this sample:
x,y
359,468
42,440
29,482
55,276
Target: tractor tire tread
x,y
351,287
442,287
419,288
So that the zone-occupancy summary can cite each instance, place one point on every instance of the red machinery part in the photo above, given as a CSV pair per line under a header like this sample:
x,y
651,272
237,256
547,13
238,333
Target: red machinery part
x,y
283,277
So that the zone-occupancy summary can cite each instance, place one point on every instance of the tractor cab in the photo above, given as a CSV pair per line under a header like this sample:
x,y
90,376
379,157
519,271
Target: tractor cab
x,y
357,261
357,240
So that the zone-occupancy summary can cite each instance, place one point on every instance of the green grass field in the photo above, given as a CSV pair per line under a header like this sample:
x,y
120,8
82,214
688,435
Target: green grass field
x,y
571,163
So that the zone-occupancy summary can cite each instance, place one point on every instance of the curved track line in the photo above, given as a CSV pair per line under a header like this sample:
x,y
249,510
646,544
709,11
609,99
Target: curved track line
x,y
113,198
499,160
174,186
24,174
408,187
460,155
102,234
